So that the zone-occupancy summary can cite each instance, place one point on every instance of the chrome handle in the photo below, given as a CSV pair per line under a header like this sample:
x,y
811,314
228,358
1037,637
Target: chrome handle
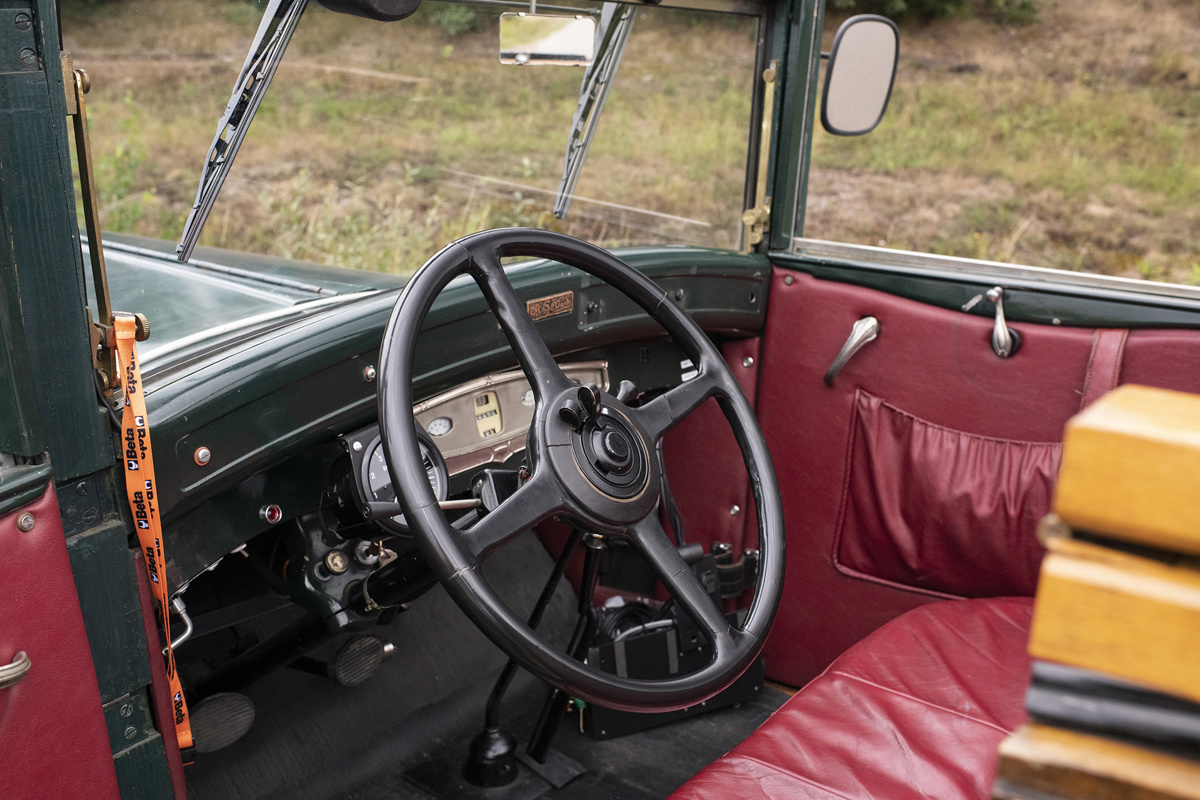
x,y
181,610
1005,341
15,672
864,331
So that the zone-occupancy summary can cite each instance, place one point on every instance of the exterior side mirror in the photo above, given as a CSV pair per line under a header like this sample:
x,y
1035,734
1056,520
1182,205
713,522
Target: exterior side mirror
x,y
547,39
860,75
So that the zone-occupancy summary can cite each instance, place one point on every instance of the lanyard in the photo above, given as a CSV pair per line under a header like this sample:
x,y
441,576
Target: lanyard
x,y
139,485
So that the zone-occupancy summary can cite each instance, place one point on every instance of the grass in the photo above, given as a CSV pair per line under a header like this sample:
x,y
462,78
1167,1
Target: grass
x,y
1070,142
1023,145
380,161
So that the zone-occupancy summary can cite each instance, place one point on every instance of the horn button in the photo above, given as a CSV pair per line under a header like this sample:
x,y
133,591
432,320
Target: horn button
x,y
600,455
607,452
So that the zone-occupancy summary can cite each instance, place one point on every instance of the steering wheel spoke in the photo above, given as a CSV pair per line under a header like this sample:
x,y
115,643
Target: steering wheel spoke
x,y
538,499
592,462
668,410
543,372
674,573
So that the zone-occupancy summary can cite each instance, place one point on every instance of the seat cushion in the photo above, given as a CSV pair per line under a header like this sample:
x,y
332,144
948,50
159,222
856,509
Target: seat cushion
x,y
914,710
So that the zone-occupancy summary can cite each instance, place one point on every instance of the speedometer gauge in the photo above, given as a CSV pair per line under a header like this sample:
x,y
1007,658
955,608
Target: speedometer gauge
x,y
376,481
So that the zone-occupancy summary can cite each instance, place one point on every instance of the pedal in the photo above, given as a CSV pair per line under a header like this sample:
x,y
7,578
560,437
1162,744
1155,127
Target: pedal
x,y
220,720
358,659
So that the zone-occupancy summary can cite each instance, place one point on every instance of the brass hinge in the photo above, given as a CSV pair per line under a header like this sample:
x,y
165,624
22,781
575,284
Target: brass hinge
x,y
756,220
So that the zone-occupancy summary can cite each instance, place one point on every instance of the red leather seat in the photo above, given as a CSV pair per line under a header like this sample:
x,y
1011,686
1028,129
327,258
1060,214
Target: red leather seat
x,y
915,710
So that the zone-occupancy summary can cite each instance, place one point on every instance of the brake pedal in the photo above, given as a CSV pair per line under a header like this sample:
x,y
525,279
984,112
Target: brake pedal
x,y
354,663
358,659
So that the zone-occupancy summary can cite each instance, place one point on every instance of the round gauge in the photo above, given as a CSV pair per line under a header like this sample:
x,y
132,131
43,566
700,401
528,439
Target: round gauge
x,y
377,481
440,426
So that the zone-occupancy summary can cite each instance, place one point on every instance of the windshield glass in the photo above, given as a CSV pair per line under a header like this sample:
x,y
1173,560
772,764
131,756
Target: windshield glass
x,y
378,143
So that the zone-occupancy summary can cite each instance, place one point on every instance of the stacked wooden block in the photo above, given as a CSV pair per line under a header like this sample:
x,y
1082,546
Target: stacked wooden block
x,y
1115,701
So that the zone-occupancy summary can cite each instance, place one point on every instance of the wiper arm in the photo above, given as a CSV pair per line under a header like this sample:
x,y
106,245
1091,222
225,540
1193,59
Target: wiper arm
x,y
274,33
616,23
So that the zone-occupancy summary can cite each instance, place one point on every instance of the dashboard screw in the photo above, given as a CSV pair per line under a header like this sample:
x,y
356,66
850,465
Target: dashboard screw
x,y
25,522
28,57
203,455
788,280
369,374
356,447
130,732
748,361
23,21
336,562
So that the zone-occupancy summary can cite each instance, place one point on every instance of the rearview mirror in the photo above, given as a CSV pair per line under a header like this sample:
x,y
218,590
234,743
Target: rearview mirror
x,y
547,39
859,78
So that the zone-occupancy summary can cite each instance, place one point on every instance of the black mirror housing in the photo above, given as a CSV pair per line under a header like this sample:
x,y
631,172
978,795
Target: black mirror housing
x,y
381,10
860,75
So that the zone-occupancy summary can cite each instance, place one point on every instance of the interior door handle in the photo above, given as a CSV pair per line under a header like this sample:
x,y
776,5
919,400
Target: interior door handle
x,y
864,331
13,674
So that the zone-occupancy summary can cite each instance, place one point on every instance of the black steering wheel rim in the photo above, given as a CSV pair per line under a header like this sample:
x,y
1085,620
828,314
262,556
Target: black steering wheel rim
x,y
555,486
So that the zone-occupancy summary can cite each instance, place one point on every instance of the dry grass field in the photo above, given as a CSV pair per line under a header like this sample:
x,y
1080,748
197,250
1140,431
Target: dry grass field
x,y
1072,142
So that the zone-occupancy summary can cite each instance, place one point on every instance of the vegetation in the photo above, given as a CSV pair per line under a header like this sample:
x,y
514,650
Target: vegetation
x,y
1073,143
1069,142
379,143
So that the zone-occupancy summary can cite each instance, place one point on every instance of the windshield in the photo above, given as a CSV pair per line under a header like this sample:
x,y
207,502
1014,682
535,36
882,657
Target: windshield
x,y
378,143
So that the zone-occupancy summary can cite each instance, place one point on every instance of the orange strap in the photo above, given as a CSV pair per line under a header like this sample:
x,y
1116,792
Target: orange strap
x,y
139,485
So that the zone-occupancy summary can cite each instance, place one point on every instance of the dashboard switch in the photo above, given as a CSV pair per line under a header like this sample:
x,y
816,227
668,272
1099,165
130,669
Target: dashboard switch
x,y
273,514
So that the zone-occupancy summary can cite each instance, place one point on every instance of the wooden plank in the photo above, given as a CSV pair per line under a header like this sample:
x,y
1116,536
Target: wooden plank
x,y
1129,468
1065,764
1124,615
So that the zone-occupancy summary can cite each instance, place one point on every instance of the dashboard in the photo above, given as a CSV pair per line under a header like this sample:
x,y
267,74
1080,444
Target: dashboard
x,y
276,407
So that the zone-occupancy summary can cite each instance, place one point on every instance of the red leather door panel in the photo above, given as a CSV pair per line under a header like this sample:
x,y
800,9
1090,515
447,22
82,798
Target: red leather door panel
x,y
934,371
53,740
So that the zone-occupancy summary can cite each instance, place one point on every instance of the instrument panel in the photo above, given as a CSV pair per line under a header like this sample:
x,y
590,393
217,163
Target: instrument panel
x,y
485,421
479,423
373,481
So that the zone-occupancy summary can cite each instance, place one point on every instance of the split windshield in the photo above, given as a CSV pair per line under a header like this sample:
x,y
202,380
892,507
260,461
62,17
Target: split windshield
x,y
378,143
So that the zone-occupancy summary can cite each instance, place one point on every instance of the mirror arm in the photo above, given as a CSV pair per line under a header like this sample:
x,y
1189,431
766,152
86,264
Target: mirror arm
x,y
612,37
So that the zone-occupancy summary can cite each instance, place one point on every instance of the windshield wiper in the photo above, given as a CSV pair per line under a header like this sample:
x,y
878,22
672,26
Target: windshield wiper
x,y
616,23
274,32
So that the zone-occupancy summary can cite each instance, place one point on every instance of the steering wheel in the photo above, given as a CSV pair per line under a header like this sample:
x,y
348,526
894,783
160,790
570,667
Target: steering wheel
x,y
591,462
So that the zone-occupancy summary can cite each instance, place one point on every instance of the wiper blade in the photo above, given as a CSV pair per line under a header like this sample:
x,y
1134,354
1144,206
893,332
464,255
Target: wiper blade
x,y
274,33
616,23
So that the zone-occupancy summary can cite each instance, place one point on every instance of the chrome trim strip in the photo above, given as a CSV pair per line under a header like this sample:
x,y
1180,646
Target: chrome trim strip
x,y
152,359
989,272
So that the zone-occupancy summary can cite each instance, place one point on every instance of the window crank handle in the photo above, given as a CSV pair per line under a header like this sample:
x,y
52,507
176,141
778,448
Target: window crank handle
x,y
864,331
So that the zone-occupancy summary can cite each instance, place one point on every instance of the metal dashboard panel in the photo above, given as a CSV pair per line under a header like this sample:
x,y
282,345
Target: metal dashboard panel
x,y
467,444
